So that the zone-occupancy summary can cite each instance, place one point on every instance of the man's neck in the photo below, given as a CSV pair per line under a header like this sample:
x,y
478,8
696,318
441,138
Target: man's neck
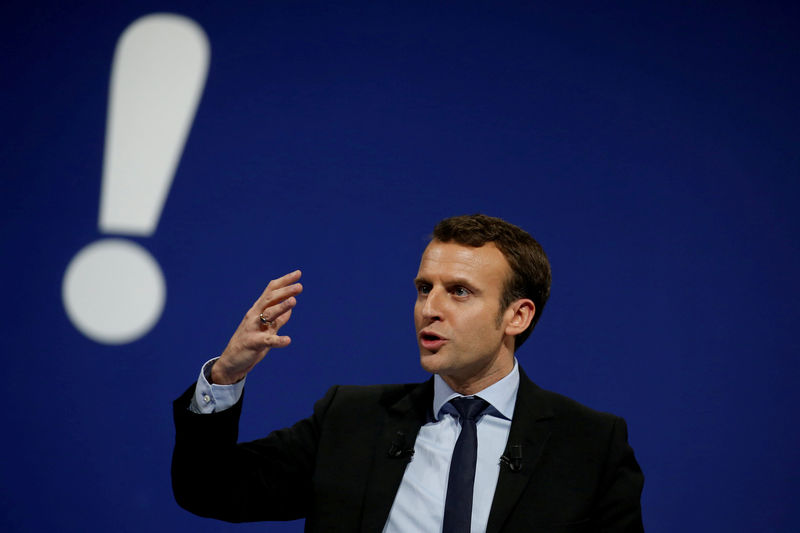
x,y
501,395
477,381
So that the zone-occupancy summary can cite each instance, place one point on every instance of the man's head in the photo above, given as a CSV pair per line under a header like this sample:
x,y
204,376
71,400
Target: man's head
x,y
475,301
530,270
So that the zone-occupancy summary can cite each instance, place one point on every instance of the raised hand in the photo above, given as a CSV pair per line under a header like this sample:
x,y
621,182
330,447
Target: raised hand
x,y
258,331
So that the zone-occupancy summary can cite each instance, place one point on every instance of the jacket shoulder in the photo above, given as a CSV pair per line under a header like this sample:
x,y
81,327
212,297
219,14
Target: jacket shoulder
x,y
385,395
566,406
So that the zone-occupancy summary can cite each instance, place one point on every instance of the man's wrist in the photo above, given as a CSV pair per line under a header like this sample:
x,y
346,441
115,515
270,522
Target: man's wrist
x,y
220,376
212,398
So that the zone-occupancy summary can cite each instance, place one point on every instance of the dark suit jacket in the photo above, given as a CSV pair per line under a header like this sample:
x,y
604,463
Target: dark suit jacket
x,y
341,468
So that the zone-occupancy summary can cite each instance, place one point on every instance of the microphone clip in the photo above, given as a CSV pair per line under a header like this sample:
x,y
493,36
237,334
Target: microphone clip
x,y
399,448
514,462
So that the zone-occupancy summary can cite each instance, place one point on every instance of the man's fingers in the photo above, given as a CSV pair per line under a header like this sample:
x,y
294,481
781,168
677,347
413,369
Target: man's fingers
x,y
281,295
285,280
277,341
275,314
276,284
271,298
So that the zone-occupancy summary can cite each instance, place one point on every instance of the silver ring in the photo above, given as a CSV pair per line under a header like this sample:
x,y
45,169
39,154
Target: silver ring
x,y
264,319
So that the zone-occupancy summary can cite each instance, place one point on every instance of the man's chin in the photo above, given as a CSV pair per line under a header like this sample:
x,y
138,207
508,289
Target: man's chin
x,y
430,361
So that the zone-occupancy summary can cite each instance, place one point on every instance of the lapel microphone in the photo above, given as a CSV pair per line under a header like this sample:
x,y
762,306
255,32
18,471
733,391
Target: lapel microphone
x,y
513,463
399,447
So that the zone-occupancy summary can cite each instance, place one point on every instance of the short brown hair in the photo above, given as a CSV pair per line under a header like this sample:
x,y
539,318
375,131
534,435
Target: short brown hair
x,y
530,269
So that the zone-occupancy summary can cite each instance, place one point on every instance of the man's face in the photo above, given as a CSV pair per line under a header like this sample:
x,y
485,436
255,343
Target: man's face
x,y
460,331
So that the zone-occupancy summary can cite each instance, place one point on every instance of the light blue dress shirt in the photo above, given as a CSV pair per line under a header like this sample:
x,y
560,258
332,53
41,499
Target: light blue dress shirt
x,y
419,503
210,398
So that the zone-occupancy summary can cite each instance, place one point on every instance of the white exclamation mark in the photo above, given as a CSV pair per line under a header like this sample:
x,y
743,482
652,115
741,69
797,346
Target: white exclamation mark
x,y
114,290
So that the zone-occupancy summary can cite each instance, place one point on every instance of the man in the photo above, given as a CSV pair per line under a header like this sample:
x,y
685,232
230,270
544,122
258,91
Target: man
x,y
478,447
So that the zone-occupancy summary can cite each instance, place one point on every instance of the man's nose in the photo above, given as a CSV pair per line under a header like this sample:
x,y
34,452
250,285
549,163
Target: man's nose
x,y
432,307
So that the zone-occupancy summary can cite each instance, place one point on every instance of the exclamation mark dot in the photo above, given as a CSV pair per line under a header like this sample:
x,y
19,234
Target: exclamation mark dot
x,y
114,290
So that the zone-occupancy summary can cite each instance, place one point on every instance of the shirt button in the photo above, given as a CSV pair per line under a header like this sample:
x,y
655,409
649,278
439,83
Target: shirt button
x,y
206,398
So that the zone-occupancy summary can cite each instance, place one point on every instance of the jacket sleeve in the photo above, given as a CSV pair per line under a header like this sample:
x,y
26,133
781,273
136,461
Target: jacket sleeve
x,y
618,508
266,479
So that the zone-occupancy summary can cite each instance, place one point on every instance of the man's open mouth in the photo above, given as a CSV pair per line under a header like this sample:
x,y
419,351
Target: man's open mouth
x,y
431,341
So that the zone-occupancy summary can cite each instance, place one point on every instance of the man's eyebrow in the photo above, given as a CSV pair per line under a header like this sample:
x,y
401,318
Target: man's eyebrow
x,y
461,281
458,280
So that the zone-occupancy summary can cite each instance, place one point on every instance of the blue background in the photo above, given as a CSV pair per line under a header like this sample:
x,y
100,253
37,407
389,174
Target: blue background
x,y
652,150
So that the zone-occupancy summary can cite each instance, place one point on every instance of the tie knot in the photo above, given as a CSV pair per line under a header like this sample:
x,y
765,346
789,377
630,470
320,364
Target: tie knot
x,y
469,408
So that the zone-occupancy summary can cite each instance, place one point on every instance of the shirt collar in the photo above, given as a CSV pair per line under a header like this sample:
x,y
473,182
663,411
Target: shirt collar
x,y
502,396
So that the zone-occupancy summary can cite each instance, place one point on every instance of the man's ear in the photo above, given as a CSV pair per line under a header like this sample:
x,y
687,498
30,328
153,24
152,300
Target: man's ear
x,y
521,312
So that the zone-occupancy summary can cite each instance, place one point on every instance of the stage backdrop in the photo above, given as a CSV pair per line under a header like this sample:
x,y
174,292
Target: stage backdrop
x,y
653,151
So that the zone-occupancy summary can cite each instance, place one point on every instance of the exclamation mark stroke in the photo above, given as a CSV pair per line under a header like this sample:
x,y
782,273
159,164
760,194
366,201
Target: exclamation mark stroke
x,y
114,290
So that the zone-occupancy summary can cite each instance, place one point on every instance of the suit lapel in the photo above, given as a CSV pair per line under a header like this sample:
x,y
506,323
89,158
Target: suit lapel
x,y
393,450
530,428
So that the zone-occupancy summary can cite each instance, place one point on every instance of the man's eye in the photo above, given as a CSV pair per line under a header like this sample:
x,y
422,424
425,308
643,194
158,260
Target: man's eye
x,y
461,291
424,289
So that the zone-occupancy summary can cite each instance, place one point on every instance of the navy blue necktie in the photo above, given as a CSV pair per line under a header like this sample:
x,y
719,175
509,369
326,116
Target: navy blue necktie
x,y
458,502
